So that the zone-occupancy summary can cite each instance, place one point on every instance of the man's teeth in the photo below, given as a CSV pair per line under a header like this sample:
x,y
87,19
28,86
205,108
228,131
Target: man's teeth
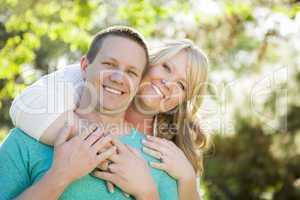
x,y
157,90
111,90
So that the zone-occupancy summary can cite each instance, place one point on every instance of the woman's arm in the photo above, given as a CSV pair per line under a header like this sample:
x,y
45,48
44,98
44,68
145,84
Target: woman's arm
x,y
42,108
83,151
170,155
49,187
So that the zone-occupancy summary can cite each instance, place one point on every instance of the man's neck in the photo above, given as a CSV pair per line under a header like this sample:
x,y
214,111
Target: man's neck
x,y
142,121
87,111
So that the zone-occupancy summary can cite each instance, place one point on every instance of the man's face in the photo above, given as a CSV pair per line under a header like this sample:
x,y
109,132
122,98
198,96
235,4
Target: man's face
x,y
114,75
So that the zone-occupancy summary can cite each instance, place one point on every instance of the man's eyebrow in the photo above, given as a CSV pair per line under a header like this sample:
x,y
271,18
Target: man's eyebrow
x,y
110,58
132,67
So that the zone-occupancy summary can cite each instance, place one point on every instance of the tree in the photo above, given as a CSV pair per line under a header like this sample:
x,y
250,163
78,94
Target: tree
x,y
255,128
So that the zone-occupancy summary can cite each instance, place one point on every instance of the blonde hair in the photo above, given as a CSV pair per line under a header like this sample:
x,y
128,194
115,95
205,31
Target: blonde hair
x,y
181,125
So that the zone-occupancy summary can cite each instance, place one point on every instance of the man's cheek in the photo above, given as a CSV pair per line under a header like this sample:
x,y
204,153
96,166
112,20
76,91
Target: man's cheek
x,y
135,86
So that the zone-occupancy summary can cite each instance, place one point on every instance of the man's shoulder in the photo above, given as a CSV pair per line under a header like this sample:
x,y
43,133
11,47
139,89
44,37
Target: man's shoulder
x,y
19,137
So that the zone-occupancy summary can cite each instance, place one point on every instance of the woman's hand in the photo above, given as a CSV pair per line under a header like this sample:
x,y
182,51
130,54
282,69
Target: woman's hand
x,y
130,172
78,156
173,160
103,166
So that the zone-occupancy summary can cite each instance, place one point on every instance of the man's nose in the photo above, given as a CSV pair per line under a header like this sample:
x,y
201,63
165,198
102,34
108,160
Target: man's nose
x,y
117,77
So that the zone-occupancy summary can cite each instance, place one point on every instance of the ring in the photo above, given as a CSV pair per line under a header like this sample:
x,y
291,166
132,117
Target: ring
x,y
109,163
161,157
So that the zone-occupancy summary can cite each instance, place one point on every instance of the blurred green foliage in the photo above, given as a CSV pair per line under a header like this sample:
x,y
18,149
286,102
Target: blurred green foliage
x,y
252,110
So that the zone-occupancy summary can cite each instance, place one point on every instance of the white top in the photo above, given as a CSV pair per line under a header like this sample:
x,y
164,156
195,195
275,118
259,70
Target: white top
x,y
39,105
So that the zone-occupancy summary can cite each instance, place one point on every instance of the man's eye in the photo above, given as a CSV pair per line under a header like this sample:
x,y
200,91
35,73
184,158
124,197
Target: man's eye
x,y
132,73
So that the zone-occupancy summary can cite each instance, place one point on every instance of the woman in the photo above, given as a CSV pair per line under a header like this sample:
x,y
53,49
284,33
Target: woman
x,y
166,105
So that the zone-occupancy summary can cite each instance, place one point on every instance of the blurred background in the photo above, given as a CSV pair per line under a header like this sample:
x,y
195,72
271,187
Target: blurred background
x,y
252,108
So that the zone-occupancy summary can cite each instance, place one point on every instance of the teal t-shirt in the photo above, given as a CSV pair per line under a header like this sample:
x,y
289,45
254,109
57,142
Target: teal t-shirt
x,y
24,161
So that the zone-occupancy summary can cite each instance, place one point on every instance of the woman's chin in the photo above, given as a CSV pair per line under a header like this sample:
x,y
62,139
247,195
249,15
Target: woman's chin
x,y
148,106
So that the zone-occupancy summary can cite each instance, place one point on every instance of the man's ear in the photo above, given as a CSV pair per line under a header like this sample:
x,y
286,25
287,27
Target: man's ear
x,y
83,65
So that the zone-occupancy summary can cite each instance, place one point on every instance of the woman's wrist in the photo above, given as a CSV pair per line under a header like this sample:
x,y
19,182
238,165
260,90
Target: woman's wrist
x,y
151,193
188,177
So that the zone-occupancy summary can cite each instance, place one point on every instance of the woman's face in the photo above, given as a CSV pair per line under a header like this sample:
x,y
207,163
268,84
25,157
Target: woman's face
x,y
164,86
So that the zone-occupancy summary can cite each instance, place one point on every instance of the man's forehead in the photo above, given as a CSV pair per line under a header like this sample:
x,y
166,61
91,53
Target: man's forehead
x,y
122,49
113,43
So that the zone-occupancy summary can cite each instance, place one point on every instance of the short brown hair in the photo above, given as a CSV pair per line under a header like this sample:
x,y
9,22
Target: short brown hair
x,y
122,31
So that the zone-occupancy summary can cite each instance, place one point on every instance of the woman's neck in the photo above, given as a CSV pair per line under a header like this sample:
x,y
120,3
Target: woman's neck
x,y
141,121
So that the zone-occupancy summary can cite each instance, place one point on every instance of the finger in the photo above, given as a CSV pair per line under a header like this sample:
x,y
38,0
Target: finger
x,y
107,176
64,136
155,154
113,168
121,147
135,151
110,187
125,194
160,141
155,146
106,146
116,158
104,175
106,154
154,139
156,165
103,165
85,132
93,137
102,144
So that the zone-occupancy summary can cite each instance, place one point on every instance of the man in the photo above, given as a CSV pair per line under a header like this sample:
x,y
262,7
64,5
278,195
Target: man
x,y
112,75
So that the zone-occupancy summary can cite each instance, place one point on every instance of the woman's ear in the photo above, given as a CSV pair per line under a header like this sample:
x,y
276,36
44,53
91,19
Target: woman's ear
x,y
83,65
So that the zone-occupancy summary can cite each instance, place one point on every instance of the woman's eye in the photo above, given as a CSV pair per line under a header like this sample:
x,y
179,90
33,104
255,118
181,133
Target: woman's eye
x,y
166,67
181,85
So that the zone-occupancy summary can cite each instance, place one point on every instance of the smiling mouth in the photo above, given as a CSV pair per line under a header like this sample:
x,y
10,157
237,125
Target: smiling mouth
x,y
112,90
157,90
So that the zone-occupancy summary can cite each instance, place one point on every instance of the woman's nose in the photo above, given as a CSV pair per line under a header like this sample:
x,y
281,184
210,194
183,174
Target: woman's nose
x,y
163,81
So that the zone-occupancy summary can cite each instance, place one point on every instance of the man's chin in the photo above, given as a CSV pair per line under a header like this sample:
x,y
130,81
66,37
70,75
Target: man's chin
x,y
112,110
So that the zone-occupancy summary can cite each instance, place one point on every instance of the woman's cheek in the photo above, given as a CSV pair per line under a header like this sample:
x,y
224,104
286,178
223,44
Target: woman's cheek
x,y
169,105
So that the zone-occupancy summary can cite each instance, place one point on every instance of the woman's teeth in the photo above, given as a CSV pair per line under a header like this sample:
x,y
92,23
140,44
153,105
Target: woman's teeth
x,y
157,90
111,90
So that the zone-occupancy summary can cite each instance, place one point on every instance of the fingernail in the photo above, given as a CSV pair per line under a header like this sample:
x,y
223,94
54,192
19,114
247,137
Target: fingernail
x,y
111,190
144,141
